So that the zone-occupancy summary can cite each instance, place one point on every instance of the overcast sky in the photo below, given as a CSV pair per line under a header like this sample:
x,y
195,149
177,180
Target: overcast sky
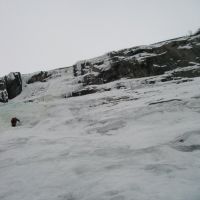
x,y
47,34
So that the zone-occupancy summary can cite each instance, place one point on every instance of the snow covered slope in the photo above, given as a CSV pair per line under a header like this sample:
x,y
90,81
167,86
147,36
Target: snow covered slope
x,y
130,139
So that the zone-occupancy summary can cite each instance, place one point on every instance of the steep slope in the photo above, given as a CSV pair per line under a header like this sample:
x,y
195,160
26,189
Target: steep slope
x,y
141,142
131,137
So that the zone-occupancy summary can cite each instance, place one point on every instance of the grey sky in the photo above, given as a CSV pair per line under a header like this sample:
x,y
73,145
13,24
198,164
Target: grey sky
x,y
47,34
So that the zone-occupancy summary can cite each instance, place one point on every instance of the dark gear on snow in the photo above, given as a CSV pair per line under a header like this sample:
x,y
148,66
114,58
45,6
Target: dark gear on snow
x,y
14,121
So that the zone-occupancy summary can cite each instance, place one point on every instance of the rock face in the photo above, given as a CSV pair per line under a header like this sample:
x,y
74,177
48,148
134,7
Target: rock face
x,y
10,86
142,61
3,96
39,77
3,91
173,59
13,84
2,84
86,91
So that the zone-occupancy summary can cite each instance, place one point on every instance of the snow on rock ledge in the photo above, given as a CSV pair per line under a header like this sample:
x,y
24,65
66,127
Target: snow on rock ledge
x,y
3,91
141,61
3,96
38,77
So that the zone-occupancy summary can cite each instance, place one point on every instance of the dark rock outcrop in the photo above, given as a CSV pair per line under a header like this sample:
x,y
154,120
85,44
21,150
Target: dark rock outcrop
x,y
10,86
39,77
84,91
13,82
2,84
141,61
88,90
190,73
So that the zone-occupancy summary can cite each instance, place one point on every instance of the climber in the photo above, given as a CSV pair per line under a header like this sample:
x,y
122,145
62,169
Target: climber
x,y
14,121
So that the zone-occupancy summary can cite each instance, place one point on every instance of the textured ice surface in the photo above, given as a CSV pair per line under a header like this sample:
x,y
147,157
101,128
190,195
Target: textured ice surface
x,y
141,142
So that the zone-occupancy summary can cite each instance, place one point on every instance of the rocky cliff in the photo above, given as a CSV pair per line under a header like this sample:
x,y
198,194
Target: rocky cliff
x,y
172,59
141,61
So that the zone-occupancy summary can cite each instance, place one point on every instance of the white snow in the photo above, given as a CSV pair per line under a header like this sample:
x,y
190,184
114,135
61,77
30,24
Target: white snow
x,y
141,142
11,76
142,56
185,47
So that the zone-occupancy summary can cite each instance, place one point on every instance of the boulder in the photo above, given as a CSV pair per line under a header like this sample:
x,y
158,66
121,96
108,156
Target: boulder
x,y
13,82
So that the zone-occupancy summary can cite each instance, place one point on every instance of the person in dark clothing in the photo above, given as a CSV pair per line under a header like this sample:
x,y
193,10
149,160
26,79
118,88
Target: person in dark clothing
x,y
14,121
